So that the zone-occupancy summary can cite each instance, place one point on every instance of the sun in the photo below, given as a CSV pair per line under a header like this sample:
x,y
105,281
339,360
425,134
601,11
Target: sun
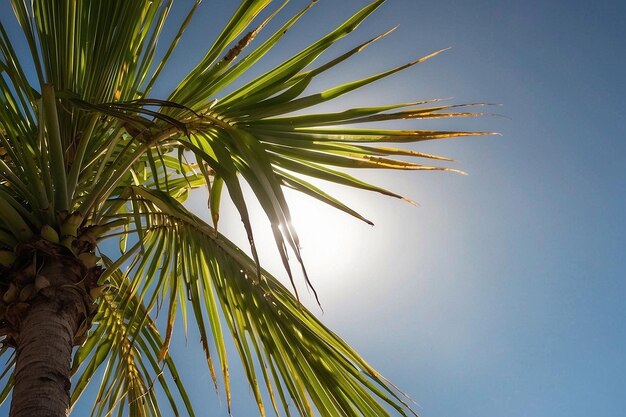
x,y
332,242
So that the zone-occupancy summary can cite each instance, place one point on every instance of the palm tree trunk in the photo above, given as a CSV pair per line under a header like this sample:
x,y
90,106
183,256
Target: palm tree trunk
x,y
44,347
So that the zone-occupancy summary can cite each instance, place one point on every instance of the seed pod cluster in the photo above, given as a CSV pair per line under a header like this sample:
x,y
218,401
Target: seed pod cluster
x,y
45,267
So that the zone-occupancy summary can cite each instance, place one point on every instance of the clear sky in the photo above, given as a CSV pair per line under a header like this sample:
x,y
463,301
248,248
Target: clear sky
x,y
504,293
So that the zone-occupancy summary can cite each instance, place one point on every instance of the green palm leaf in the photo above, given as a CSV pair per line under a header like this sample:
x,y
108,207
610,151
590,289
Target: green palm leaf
x,y
296,354
129,351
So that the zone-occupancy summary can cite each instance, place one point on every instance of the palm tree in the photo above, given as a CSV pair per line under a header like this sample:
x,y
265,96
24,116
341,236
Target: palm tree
x,y
87,156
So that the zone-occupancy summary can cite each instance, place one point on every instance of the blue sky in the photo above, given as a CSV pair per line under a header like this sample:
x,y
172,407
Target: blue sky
x,y
503,293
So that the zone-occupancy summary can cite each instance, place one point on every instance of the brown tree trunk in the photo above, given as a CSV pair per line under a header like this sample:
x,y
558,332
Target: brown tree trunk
x,y
44,346
42,371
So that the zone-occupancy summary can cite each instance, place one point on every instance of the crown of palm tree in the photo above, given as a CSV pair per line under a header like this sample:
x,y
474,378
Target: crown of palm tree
x,y
87,155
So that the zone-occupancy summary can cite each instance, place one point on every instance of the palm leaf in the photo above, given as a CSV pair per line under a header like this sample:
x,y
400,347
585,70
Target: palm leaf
x,y
273,333
130,352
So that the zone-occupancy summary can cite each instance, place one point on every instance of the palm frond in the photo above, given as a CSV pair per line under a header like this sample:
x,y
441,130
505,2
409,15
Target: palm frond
x,y
278,340
129,350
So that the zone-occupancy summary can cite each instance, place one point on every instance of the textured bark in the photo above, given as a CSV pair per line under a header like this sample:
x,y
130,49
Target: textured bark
x,y
44,347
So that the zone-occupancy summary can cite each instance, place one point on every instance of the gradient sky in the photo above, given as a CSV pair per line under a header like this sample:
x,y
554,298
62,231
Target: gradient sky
x,y
504,293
